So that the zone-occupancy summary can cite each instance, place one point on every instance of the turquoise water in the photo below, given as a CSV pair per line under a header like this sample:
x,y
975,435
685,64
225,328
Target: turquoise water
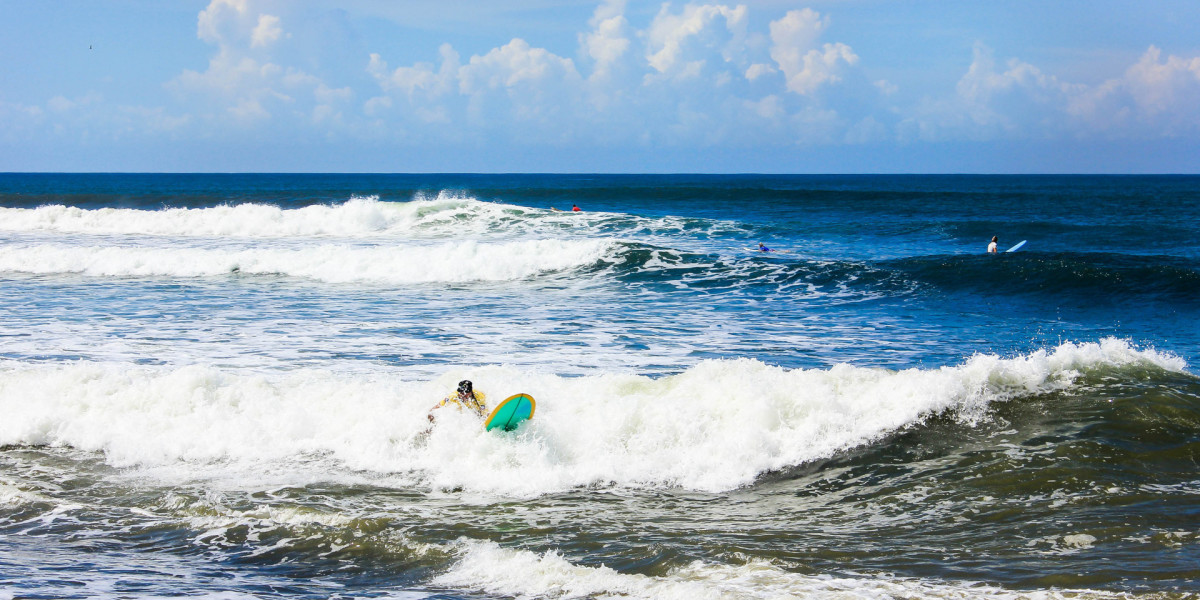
x,y
216,385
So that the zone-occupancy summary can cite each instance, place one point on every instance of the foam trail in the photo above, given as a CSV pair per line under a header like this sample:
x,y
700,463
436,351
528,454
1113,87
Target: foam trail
x,y
716,426
490,569
333,263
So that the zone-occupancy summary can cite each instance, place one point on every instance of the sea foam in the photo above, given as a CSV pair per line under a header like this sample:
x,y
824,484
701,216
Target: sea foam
x,y
716,426
427,216
358,217
452,261
488,568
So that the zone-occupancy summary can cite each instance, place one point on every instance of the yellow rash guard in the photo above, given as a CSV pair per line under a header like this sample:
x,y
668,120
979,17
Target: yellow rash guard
x,y
479,406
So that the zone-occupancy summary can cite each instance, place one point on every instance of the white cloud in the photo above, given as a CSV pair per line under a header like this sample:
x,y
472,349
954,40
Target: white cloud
x,y
1155,97
690,83
608,41
993,103
1162,95
686,41
515,64
61,104
220,20
770,108
806,67
419,78
757,70
983,82
377,106
249,109
268,30
242,78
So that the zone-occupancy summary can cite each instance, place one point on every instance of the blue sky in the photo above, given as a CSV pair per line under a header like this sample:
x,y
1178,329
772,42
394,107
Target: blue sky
x,y
837,86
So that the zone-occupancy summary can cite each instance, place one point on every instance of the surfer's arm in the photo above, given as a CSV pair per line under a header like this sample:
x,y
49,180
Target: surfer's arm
x,y
435,407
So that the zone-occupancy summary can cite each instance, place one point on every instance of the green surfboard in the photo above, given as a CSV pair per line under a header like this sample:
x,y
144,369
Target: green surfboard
x,y
511,412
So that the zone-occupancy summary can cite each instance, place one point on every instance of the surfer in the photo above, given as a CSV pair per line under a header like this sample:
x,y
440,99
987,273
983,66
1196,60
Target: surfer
x,y
763,248
464,397
575,208
992,246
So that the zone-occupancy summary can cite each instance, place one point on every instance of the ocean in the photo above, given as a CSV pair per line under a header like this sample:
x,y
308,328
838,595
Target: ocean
x,y
216,386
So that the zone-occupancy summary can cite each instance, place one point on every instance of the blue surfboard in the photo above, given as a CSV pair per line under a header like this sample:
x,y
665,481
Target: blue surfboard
x,y
1017,247
509,414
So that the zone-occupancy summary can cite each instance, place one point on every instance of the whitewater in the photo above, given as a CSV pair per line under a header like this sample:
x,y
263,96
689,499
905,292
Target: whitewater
x,y
210,393
752,418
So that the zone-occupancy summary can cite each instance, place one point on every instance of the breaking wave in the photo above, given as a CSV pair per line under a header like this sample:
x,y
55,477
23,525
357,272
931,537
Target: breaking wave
x,y
716,426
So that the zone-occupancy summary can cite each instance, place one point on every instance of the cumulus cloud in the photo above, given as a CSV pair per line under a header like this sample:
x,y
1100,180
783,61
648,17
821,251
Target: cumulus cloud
x,y
1161,87
757,70
219,21
794,48
425,79
608,41
267,31
1155,97
682,44
515,64
243,81
695,74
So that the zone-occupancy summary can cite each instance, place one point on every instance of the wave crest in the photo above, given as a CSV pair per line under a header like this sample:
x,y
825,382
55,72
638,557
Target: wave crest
x,y
718,425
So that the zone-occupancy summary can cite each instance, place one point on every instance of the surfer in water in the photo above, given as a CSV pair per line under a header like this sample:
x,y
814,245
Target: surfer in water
x,y
464,397
763,248
992,246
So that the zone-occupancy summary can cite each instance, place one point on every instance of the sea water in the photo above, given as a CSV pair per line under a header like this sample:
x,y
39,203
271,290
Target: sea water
x,y
217,386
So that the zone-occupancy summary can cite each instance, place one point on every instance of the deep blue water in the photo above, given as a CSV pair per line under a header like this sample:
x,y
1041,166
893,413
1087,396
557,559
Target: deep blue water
x,y
217,385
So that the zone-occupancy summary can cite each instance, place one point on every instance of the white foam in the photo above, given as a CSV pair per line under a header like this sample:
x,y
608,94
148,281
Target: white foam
x,y
13,496
457,261
716,426
358,217
437,216
487,568
1079,540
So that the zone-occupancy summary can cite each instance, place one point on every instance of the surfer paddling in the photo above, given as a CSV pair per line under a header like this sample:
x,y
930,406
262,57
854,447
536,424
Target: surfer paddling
x,y
465,397
763,248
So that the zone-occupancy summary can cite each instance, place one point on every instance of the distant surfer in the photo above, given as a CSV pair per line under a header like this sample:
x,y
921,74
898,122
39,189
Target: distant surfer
x,y
465,397
992,246
763,248
575,208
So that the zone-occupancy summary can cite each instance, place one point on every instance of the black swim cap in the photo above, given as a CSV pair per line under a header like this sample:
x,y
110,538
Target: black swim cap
x,y
464,386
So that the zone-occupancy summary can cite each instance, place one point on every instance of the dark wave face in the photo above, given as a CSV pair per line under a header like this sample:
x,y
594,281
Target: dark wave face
x,y
1056,279
1067,278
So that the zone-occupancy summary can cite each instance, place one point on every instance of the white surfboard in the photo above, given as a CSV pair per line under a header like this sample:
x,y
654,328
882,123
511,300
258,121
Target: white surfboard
x,y
1017,247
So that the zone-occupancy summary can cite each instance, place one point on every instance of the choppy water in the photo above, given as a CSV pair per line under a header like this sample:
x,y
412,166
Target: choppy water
x,y
216,385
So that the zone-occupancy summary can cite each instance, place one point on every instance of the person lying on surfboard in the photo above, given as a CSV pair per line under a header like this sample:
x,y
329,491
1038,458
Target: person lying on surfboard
x,y
763,248
465,397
